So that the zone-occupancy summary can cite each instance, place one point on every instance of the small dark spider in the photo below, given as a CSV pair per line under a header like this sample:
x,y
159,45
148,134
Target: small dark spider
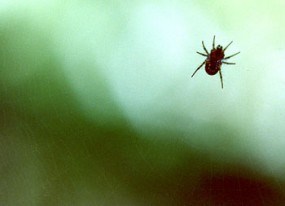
x,y
215,59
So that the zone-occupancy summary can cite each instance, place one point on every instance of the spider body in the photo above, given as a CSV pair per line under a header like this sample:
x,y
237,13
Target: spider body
x,y
213,62
215,59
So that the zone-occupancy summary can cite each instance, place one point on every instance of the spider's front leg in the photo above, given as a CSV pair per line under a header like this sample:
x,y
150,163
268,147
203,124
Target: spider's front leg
x,y
205,55
231,56
205,48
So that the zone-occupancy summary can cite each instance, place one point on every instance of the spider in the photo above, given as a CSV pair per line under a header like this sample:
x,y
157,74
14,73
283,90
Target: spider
x,y
215,59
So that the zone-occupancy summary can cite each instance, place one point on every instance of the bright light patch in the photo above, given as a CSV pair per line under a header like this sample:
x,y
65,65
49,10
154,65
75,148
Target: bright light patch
x,y
148,58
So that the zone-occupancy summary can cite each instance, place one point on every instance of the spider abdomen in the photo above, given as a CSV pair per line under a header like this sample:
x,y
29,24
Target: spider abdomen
x,y
212,67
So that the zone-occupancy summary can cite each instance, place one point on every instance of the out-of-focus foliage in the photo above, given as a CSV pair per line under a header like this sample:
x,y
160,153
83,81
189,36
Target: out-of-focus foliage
x,y
98,107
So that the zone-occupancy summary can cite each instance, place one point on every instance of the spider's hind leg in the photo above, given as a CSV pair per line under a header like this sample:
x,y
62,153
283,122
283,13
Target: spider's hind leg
x,y
230,63
198,68
221,78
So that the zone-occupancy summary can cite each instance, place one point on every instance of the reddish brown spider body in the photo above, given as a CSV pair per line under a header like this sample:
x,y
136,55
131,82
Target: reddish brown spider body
x,y
215,59
213,62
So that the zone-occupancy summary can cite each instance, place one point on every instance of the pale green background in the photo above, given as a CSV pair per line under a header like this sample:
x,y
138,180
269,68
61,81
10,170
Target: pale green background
x,y
98,106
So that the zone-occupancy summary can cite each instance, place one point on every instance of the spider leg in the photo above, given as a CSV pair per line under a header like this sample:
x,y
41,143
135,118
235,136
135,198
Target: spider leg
x,y
205,48
198,68
202,54
228,63
214,42
221,77
231,56
228,45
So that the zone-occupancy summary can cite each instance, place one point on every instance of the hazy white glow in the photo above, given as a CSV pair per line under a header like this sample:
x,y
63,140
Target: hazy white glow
x,y
148,58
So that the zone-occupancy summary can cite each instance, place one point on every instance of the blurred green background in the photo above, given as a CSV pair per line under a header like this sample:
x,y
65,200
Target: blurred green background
x,y
98,107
